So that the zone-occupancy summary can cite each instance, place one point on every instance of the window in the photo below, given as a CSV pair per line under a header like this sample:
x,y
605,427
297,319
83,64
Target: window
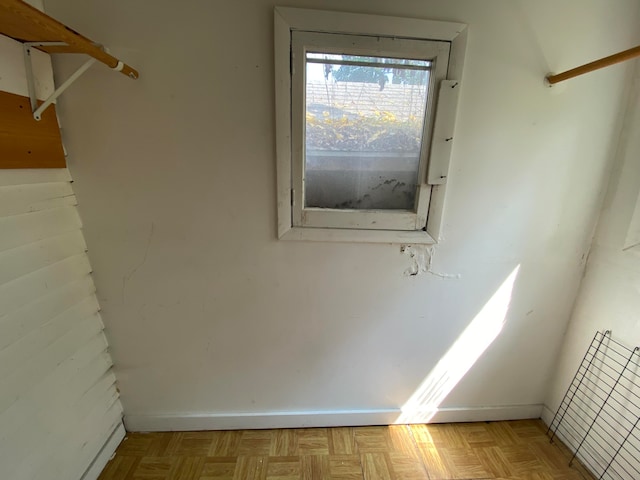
x,y
365,114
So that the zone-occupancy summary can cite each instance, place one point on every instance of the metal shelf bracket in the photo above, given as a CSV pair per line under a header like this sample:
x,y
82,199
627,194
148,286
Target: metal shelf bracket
x,y
37,110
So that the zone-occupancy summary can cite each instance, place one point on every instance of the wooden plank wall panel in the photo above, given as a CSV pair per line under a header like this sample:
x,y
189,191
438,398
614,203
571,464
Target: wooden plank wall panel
x,y
30,198
26,142
29,177
32,316
76,379
58,398
22,260
18,230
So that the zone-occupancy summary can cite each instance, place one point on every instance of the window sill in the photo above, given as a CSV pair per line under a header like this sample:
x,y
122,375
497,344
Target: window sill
x,y
356,236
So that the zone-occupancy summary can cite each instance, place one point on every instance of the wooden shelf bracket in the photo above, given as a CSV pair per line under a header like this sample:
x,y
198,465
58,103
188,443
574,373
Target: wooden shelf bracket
x,y
35,29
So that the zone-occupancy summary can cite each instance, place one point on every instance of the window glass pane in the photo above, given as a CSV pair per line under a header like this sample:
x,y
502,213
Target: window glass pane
x,y
364,123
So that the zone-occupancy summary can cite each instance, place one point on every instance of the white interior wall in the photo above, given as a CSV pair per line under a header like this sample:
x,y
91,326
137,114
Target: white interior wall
x,y
609,294
215,323
60,417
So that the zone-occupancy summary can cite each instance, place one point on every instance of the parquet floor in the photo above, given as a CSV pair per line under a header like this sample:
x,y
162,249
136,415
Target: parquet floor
x,y
517,450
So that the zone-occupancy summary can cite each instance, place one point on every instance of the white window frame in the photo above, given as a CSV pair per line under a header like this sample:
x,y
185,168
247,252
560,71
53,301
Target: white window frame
x,y
435,51
433,183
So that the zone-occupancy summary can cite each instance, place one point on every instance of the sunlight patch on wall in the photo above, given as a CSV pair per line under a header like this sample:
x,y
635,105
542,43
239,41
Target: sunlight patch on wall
x,y
462,355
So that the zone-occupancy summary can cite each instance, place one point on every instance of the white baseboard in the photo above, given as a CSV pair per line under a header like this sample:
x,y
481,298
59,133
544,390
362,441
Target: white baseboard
x,y
105,454
547,415
486,414
241,421
237,421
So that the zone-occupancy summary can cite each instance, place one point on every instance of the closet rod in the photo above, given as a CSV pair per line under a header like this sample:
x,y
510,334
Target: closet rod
x,y
590,67
25,23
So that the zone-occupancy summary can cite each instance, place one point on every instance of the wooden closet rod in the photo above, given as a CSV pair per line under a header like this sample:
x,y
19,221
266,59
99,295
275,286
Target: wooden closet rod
x,y
590,67
24,23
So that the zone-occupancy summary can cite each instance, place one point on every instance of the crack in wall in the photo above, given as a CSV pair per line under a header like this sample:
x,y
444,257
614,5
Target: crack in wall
x,y
127,277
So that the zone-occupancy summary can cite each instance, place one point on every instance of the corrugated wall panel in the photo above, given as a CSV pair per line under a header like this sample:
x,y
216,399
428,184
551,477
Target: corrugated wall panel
x,y
58,399
16,199
20,322
18,230
20,261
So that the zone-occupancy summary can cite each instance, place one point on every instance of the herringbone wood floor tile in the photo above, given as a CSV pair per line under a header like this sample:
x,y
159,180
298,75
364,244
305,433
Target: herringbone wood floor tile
x,y
518,450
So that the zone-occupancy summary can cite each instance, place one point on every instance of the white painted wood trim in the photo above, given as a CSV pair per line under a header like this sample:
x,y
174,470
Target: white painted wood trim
x,y
42,310
435,219
547,415
361,236
435,51
37,340
23,176
439,74
23,260
487,414
105,454
80,447
457,55
46,362
282,40
232,421
18,230
20,199
287,20
358,219
77,374
379,25
23,290
443,132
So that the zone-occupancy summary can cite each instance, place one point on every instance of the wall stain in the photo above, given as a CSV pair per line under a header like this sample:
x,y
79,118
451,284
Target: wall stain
x,y
421,261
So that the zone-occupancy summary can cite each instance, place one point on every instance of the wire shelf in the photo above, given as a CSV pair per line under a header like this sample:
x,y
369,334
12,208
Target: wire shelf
x,y
599,416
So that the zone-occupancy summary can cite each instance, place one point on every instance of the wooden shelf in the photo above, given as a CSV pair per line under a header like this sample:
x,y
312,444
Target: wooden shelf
x,y
29,132
25,23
